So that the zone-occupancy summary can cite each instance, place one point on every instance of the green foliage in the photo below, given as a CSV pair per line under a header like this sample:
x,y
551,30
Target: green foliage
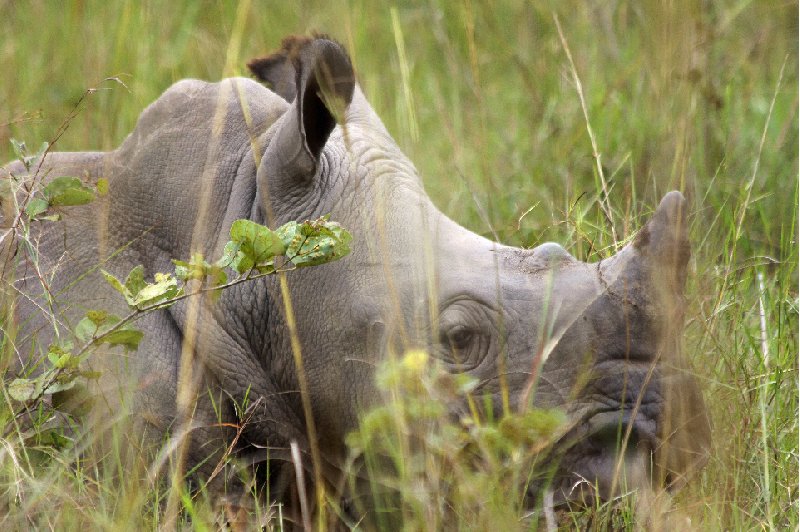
x,y
314,242
140,294
310,243
252,246
21,153
435,462
61,191
67,192
103,328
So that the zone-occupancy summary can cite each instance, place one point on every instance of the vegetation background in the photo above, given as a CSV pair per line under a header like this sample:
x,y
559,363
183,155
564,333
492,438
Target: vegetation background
x,y
698,96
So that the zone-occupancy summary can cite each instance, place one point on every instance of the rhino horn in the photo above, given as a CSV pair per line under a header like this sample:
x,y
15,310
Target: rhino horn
x,y
657,258
323,88
660,257
664,242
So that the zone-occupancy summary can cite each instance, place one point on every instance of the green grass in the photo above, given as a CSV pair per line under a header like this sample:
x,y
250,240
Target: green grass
x,y
696,96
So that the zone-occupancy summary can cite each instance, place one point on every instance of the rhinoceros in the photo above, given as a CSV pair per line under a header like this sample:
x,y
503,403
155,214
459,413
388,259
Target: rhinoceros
x,y
599,341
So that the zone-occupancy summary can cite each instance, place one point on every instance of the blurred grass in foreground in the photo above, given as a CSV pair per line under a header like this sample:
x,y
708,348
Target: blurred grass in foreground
x,y
679,95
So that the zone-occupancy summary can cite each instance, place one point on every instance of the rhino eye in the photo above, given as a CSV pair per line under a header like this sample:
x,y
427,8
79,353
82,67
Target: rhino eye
x,y
459,338
461,347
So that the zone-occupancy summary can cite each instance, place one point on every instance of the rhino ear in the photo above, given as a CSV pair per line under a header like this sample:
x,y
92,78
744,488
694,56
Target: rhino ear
x,y
323,82
278,71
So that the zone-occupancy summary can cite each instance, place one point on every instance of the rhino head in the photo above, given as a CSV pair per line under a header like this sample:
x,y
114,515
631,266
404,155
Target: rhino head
x,y
600,341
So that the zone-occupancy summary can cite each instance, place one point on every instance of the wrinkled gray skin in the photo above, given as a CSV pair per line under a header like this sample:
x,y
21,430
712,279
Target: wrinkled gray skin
x,y
600,341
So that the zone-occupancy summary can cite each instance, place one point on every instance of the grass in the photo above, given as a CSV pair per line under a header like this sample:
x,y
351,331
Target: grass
x,y
481,95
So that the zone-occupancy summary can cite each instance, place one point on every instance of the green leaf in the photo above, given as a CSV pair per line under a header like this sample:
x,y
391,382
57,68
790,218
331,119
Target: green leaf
x,y
102,186
140,294
165,287
67,191
35,207
117,285
97,324
135,282
24,389
94,324
85,330
254,247
257,243
29,389
229,255
127,338
61,356
318,242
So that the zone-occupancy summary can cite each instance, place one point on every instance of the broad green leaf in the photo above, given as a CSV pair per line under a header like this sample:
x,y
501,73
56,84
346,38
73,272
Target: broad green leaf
x,y
135,281
97,324
229,255
61,355
25,389
67,360
304,244
55,352
28,389
243,263
320,242
165,287
256,242
35,207
139,294
85,330
94,324
287,233
127,338
67,191
117,285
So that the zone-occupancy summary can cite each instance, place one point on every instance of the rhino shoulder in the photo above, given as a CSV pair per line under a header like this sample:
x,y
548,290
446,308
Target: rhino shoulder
x,y
193,106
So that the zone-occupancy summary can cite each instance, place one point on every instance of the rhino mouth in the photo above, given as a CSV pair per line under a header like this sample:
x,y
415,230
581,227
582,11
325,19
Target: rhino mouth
x,y
609,455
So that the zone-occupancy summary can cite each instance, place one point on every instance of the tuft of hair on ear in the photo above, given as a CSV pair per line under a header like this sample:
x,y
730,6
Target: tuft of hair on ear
x,y
279,69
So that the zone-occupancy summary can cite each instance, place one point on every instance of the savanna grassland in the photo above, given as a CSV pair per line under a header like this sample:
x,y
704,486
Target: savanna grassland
x,y
484,97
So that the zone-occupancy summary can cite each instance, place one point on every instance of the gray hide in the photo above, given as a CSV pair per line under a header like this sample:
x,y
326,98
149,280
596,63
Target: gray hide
x,y
601,341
